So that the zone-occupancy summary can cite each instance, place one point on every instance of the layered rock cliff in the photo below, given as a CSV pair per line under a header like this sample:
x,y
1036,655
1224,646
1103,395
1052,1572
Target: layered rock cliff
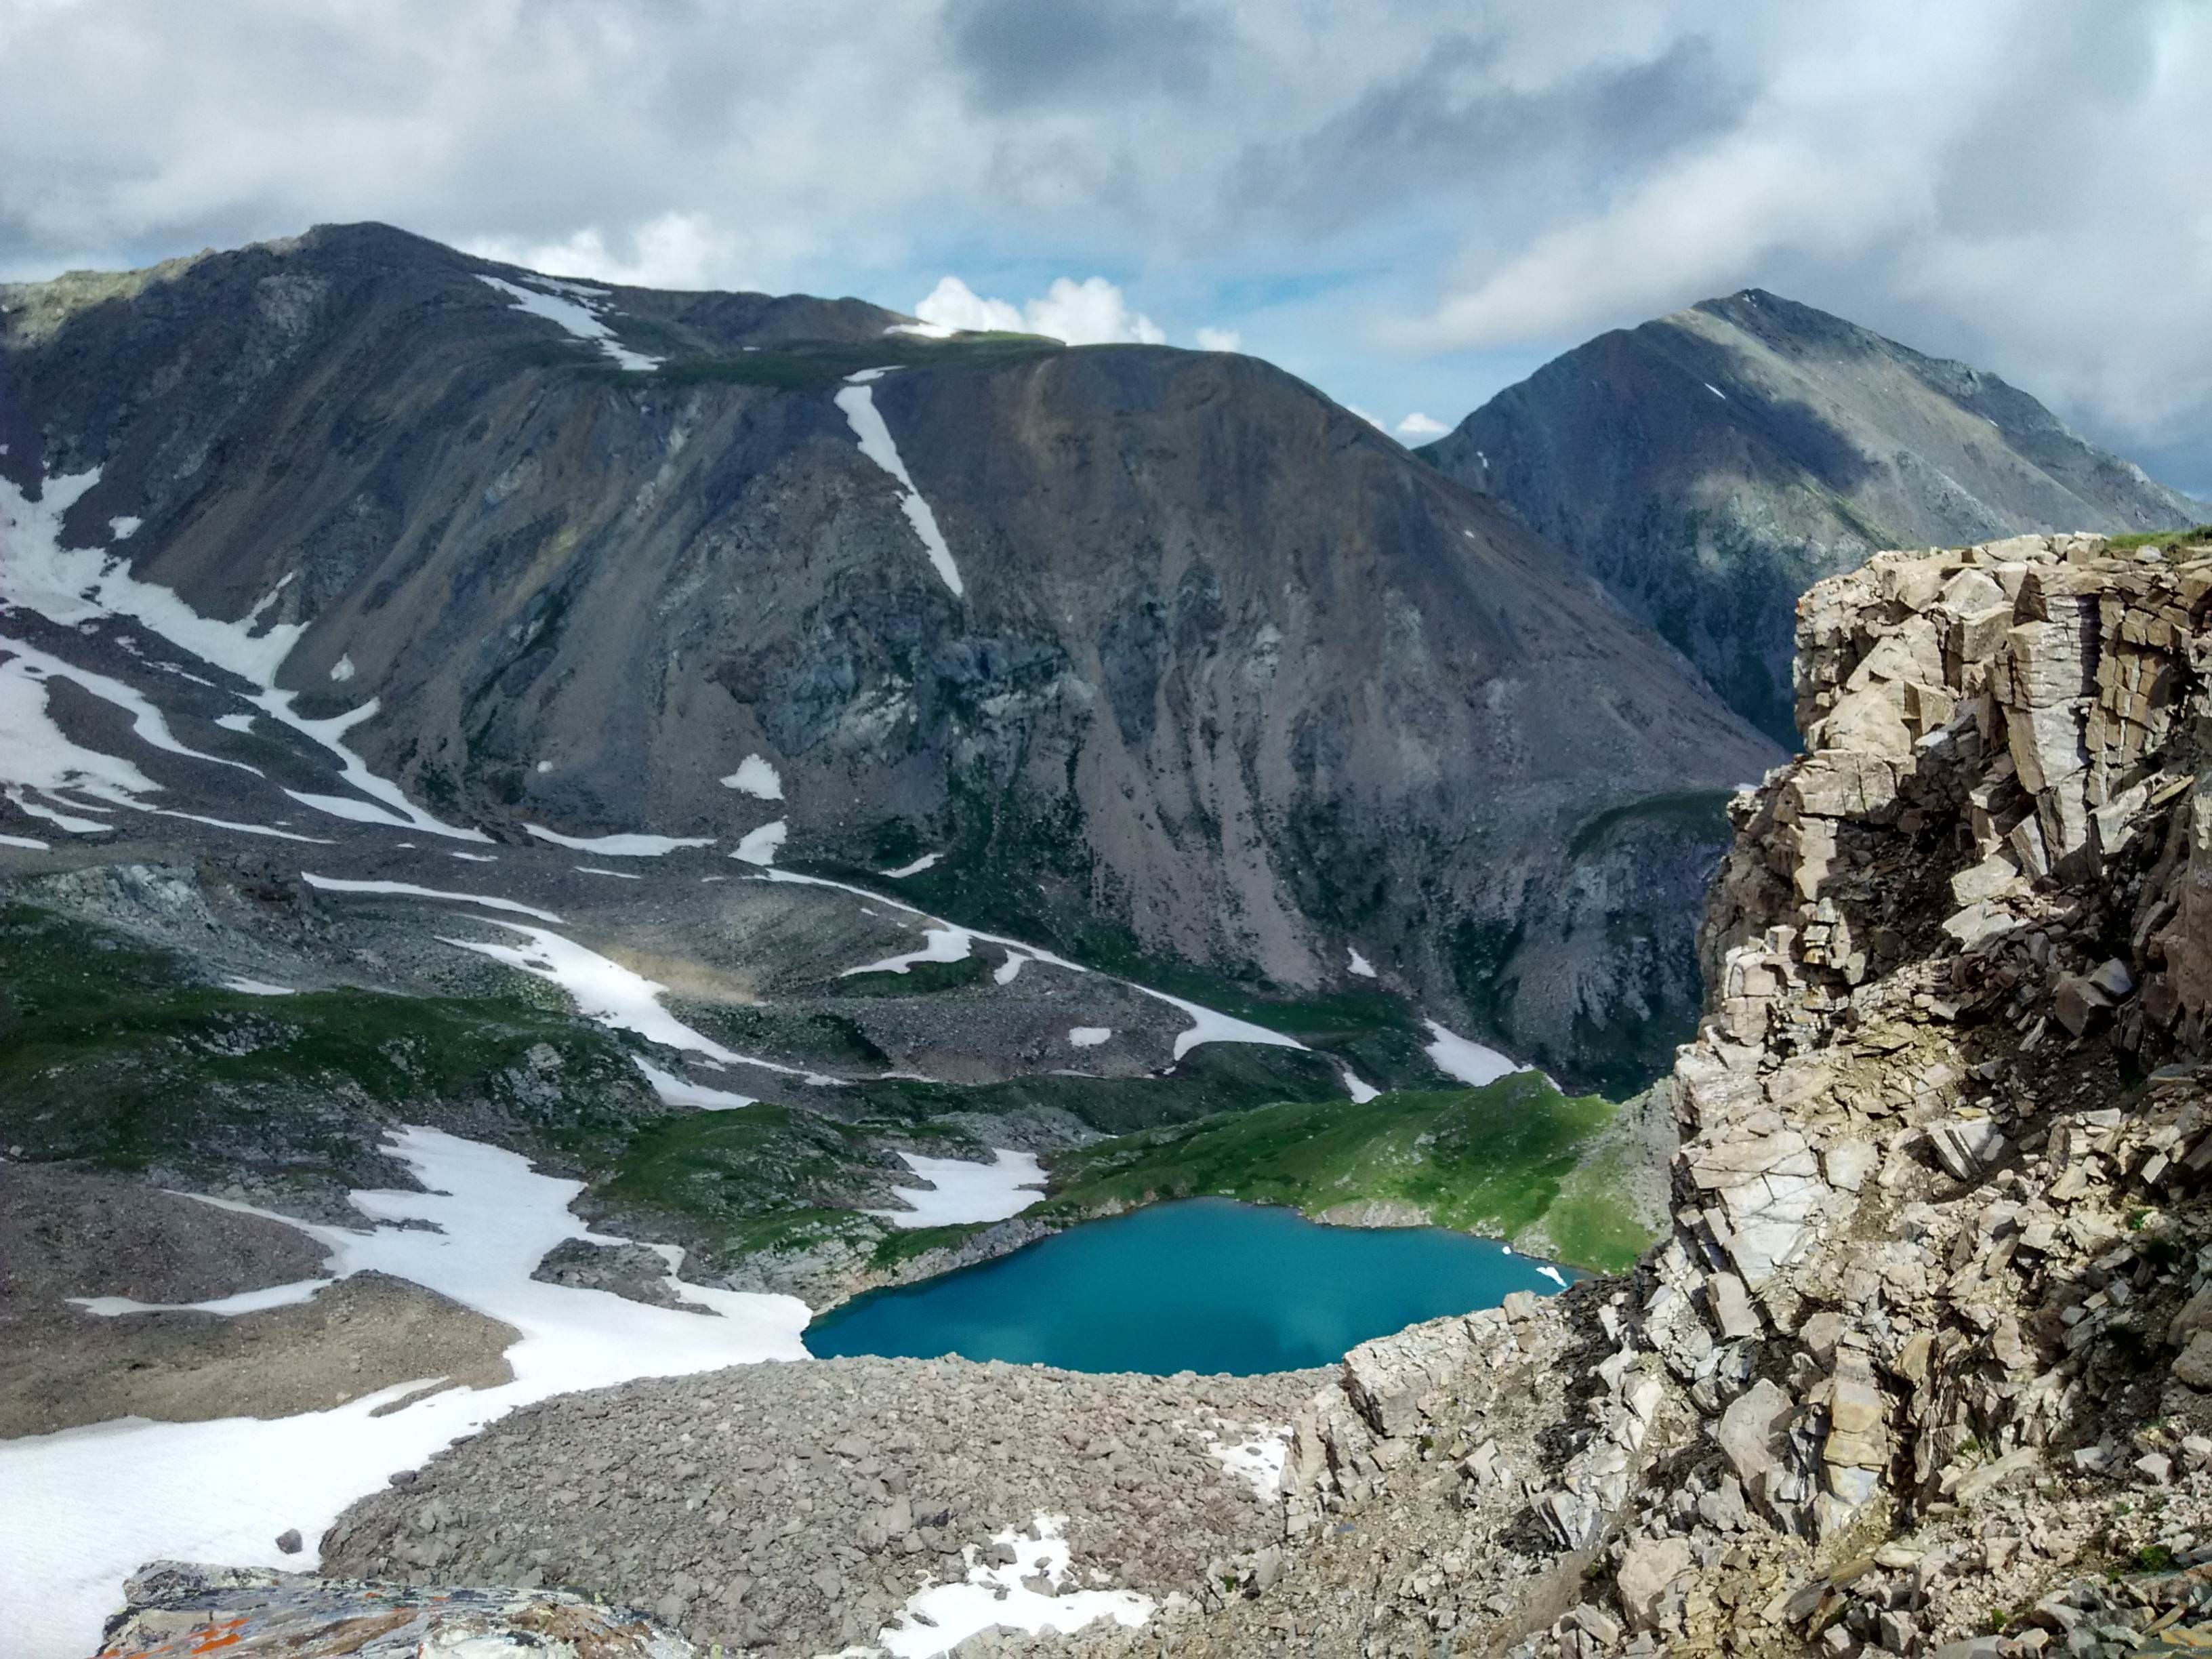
x,y
1929,1352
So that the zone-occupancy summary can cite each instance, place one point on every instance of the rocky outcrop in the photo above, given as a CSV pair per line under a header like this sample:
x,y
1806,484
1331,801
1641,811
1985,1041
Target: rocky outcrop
x,y
178,1609
1929,1337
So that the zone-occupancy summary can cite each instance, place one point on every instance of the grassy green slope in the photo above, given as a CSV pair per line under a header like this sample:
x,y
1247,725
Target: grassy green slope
x,y
1510,1159
110,1052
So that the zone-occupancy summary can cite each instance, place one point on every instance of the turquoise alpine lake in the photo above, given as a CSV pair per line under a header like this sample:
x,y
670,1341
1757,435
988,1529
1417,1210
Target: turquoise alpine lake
x,y
1202,1285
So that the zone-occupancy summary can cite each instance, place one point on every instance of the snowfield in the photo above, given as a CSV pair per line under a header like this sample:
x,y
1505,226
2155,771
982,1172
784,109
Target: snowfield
x,y
223,1490
962,1191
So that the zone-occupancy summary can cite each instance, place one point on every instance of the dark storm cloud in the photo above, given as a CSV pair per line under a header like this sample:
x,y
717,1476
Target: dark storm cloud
x,y
1018,53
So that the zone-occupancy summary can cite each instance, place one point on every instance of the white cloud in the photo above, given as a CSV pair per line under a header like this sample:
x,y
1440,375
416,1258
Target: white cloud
x,y
676,250
1418,425
1220,339
953,304
1093,312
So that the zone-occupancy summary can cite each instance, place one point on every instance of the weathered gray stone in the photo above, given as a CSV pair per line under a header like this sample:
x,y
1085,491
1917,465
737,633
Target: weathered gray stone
x,y
1648,1570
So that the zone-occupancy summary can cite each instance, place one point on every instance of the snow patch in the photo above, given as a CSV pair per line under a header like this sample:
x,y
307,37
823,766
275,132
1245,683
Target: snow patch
x,y
1469,1061
258,988
577,314
756,778
1259,1460
1717,391
607,992
1360,965
676,1090
926,861
235,722
620,847
946,943
245,1302
858,400
1088,1036
473,858
619,875
122,526
1209,1026
342,669
961,1190
1359,1089
223,1491
29,843
409,890
762,845
938,1619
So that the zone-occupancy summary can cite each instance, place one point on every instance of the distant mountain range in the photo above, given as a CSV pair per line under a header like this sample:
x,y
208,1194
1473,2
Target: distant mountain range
x,y
1142,654
1708,466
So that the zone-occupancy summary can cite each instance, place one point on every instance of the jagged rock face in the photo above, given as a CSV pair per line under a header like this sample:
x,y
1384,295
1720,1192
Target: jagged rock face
x,y
1933,1335
1709,465
1225,675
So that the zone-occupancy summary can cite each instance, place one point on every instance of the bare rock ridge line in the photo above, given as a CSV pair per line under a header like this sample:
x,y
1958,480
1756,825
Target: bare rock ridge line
x,y
1708,467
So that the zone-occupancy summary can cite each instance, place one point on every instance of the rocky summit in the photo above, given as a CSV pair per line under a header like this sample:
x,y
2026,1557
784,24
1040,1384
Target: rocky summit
x,y
1709,466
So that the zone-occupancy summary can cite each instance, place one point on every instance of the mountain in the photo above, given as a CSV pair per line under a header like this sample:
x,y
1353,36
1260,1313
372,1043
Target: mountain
x,y
1708,466
1150,655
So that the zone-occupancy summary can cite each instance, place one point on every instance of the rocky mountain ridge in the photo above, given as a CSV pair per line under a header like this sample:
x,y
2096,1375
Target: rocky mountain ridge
x,y
1159,653
1709,465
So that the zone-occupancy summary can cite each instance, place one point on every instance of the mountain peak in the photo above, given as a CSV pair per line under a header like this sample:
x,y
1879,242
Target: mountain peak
x,y
1711,464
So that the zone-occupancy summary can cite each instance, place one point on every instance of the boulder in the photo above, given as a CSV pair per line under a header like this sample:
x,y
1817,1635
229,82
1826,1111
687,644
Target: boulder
x,y
1647,1573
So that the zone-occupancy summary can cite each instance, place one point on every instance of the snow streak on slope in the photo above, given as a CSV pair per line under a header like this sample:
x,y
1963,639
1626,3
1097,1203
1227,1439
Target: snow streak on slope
x,y
577,316
859,402
223,1491
620,847
409,890
682,1091
609,992
1468,1061
74,587
1208,1024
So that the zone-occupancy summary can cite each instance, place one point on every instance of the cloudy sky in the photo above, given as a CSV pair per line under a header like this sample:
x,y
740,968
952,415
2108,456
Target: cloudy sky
x,y
1411,203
